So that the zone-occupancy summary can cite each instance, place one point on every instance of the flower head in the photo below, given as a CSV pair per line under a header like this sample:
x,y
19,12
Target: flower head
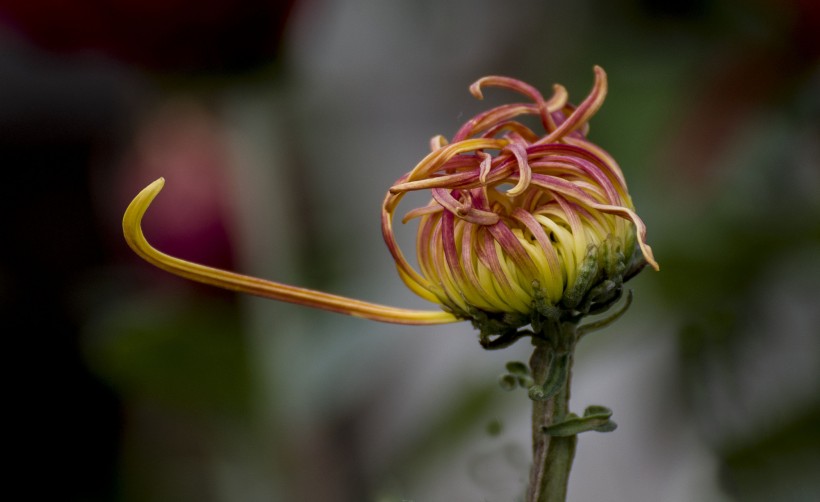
x,y
521,223
520,226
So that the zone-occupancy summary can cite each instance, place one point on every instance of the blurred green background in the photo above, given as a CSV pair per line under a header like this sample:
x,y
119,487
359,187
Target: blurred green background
x,y
278,127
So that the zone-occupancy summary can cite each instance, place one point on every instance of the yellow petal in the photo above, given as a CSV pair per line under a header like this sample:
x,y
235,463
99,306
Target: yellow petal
x,y
132,229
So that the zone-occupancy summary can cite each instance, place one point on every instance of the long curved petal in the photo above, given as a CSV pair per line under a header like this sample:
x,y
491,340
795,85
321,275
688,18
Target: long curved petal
x,y
132,229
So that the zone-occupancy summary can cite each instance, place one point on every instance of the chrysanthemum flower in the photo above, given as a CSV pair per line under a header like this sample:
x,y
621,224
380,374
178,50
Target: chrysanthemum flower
x,y
522,225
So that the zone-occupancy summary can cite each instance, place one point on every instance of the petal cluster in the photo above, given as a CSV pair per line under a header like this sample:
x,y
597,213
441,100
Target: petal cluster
x,y
520,220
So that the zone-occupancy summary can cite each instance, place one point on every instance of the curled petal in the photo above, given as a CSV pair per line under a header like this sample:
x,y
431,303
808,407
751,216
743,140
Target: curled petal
x,y
464,211
135,238
435,160
513,129
422,211
437,142
486,165
585,110
640,228
559,98
544,108
492,118
524,171
415,281
448,180
507,83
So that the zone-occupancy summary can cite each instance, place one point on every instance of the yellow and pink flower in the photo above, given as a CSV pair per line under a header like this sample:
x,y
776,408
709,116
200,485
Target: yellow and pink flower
x,y
521,225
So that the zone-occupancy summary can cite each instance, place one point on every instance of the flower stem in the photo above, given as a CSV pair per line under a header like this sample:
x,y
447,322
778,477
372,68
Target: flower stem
x,y
552,455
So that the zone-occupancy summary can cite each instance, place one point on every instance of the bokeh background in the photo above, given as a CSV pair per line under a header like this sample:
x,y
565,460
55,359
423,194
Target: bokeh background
x,y
278,126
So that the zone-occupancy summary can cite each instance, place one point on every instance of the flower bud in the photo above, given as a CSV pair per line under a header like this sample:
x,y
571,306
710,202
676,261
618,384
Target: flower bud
x,y
521,225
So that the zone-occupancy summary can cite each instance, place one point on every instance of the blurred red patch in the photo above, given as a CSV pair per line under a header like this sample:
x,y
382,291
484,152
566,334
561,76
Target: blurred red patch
x,y
182,36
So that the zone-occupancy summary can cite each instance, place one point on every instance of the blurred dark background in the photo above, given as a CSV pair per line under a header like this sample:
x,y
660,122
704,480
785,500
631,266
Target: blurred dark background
x,y
278,126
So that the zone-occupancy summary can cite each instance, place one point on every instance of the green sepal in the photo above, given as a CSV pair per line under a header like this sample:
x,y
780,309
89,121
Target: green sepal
x,y
614,259
584,280
596,418
596,308
542,306
602,323
502,340
495,323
